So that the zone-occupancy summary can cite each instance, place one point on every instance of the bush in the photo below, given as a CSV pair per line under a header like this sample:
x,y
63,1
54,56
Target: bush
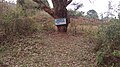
x,y
13,22
21,26
108,43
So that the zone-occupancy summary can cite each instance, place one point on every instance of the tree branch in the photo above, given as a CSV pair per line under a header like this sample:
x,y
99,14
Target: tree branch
x,y
68,2
45,8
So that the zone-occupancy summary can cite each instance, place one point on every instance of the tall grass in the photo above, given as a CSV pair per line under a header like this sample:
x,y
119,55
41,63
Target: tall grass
x,y
13,22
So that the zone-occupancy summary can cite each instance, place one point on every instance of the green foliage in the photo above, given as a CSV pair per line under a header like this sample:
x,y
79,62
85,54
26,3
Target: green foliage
x,y
24,26
108,41
116,53
100,57
75,13
19,26
14,22
110,33
92,14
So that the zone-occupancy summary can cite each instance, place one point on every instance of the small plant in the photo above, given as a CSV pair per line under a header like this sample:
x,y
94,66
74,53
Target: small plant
x,y
116,53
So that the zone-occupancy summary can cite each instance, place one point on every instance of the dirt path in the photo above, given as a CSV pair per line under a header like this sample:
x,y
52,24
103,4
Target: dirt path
x,y
49,50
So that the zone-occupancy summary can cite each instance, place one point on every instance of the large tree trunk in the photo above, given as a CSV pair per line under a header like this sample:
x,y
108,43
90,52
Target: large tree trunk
x,y
62,13
59,11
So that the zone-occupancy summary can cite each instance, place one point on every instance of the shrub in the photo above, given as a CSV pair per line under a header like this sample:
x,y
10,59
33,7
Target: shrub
x,y
108,43
13,21
22,26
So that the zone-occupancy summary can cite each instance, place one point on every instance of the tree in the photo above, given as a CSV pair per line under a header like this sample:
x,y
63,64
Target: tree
x,y
101,16
119,16
110,12
77,6
118,10
75,13
92,14
59,11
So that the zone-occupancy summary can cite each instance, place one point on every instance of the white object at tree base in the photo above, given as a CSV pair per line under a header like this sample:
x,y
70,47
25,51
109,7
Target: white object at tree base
x,y
60,21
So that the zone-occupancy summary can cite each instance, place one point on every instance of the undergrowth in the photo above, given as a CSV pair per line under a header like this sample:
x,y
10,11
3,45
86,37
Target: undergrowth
x,y
108,44
14,23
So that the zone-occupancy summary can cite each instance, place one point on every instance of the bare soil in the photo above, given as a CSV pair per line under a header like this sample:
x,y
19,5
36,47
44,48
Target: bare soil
x,y
48,49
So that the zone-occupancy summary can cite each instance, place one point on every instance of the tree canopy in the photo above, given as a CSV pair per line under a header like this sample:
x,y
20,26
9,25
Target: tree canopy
x,y
92,14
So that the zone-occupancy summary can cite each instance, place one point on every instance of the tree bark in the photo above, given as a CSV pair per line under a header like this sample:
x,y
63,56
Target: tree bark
x,y
62,28
59,11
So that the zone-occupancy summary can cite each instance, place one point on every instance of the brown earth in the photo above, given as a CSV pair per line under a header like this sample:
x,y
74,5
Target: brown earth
x,y
49,49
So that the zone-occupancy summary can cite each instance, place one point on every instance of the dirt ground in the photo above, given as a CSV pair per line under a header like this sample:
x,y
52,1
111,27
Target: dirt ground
x,y
49,49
